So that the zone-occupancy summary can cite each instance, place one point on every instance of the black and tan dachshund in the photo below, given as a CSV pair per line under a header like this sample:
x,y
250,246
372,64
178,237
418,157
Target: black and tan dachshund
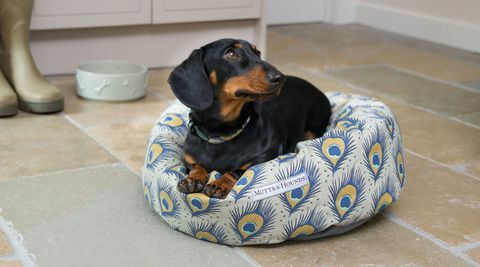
x,y
243,112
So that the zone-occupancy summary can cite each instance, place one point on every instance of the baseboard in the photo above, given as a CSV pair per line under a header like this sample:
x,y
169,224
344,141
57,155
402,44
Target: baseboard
x,y
340,11
435,29
284,12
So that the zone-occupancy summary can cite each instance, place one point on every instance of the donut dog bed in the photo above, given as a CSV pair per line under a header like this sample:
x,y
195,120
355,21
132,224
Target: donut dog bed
x,y
331,185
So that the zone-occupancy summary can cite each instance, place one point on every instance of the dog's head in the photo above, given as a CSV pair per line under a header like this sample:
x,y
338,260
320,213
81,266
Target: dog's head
x,y
228,73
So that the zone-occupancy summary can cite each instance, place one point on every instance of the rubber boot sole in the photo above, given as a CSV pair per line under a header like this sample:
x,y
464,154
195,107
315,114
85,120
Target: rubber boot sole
x,y
41,108
8,110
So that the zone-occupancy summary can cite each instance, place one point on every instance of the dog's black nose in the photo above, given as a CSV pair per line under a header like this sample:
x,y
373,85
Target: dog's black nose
x,y
276,78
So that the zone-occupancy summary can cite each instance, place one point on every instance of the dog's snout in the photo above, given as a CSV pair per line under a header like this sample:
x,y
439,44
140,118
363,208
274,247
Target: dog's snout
x,y
276,78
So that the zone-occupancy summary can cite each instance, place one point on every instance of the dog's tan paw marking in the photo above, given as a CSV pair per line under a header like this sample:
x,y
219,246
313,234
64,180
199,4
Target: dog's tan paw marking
x,y
190,185
216,191
221,187
195,181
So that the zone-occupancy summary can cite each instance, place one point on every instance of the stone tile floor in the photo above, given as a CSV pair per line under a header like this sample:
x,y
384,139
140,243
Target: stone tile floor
x,y
70,185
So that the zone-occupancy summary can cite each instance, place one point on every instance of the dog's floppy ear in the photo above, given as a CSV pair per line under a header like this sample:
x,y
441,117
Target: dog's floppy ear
x,y
190,83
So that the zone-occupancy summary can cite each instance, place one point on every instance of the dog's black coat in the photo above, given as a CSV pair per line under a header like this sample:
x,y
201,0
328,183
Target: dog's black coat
x,y
276,125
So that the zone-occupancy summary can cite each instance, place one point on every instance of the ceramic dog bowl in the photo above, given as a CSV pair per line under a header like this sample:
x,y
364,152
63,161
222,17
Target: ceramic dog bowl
x,y
111,80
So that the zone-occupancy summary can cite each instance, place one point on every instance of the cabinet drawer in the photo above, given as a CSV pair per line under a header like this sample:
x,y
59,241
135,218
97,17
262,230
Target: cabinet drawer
x,y
61,14
171,11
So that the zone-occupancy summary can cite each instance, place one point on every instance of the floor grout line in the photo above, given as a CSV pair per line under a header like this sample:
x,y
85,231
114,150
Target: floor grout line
x,y
15,239
158,94
472,63
400,69
433,79
466,247
353,86
92,167
88,128
353,67
417,230
106,125
399,101
439,243
424,49
72,121
10,257
458,251
442,164
238,251
244,255
84,130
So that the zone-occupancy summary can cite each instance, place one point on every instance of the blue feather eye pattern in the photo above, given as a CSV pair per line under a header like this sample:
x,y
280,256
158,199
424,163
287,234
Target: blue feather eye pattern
x,y
248,180
399,163
350,174
334,148
177,170
157,152
173,122
214,175
375,156
305,225
346,194
252,220
169,204
207,232
383,197
147,192
295,199
199,204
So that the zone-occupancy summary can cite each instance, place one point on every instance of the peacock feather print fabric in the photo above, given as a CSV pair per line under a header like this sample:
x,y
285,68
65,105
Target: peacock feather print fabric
x,y
334,182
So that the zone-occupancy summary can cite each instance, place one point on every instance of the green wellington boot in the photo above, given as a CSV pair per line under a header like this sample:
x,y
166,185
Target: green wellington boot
x,y
35,94
8,98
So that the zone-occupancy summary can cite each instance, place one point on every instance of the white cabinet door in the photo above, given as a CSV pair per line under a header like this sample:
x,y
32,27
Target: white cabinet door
x,y
172,11
61,14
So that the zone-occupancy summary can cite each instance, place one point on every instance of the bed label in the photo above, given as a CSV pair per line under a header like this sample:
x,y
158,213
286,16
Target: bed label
x,y
280,187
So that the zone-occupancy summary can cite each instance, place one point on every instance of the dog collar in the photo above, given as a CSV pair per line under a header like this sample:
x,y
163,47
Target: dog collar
x,y
194,129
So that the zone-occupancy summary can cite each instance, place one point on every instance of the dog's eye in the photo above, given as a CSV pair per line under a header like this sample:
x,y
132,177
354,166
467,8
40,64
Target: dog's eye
x,y
231,54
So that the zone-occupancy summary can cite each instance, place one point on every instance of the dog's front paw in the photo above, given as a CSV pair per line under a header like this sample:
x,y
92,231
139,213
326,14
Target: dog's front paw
x,y
216,190
221,187
190,185
195,181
